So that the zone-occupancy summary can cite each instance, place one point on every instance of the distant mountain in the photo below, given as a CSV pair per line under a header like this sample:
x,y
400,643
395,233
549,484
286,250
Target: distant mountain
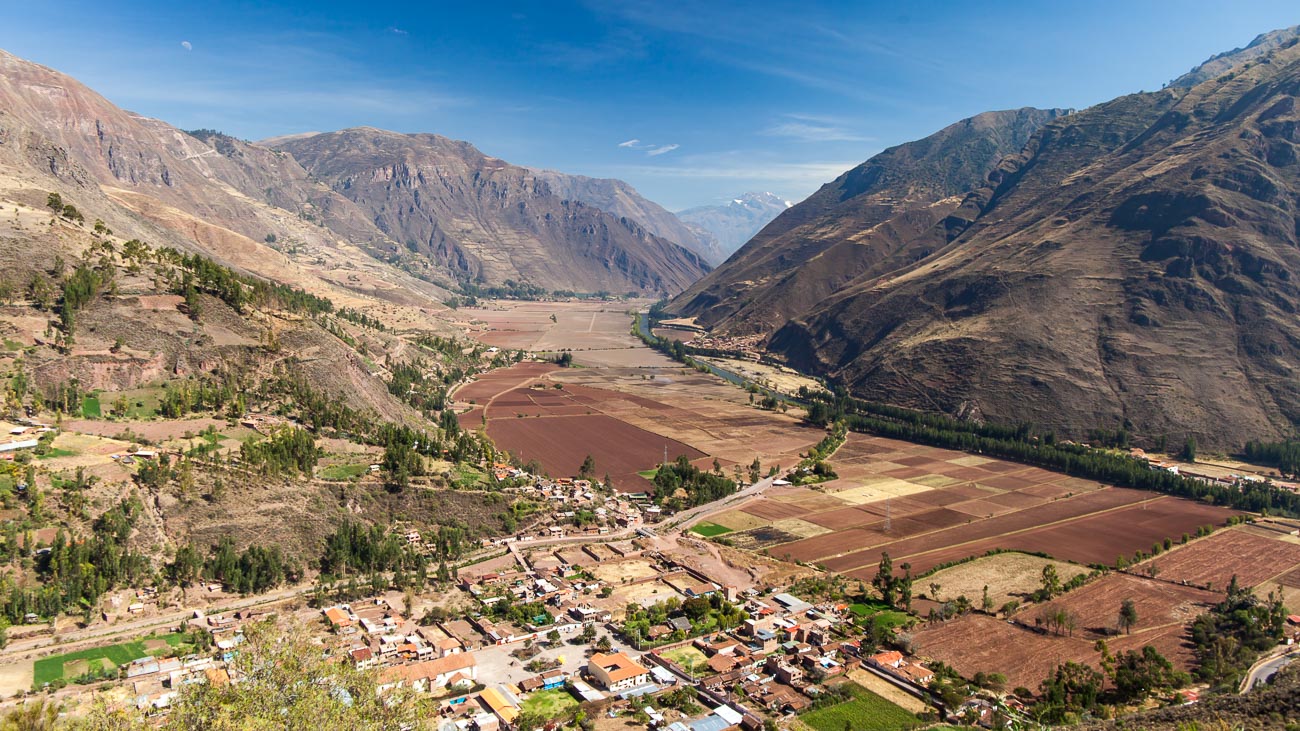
x,y
1134,266
622,200
488,221
726,228
861,223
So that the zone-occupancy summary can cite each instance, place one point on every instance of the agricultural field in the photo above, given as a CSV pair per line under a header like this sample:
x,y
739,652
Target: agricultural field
x,y
626,426
928,506
1254,556
104,659
865,712
1026,653
1009,576
709,530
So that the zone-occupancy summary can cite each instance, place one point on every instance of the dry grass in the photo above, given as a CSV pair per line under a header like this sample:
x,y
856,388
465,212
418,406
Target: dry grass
x,y
1007,575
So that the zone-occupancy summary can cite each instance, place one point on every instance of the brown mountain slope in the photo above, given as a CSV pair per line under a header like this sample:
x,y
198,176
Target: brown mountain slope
x,y
1133,266
860,223
489,221
152,181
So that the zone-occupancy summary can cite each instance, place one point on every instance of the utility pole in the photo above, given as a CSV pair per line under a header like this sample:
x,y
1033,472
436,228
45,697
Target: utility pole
x,y
887,514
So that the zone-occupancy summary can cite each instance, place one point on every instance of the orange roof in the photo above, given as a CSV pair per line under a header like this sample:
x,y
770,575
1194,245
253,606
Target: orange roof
x,y
498,703
892,657
618,666
429,668
338,616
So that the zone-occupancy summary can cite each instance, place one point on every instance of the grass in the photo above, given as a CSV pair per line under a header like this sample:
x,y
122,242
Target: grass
x,y
883,614
709,530
687,657
468,477
549,704
343,471
51,669
12,345
56,452
865,712
649,474
90,408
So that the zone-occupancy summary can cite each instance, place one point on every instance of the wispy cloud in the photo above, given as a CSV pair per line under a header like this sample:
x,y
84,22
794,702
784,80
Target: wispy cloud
x,y
653,150
187,45
808,128
398,31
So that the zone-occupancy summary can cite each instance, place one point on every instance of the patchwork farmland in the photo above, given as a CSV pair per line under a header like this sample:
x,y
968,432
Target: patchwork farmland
x,y
624,406
1026,653
928,506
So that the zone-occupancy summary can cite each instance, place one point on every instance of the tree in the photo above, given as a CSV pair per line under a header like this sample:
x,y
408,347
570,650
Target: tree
x,y
1128,616
1051,581
884,579
1072,688
1189,449
54,202
588,468
39,715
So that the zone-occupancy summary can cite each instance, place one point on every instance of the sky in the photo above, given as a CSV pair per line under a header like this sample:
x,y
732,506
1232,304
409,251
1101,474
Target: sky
x,y
692,103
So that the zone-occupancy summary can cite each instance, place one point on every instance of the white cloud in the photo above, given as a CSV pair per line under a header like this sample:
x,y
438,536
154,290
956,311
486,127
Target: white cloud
x,y
398,31
813,131
662,150
187,45
632,143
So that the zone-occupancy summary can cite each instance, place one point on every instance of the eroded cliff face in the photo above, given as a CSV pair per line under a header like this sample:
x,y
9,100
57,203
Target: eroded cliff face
x,y
487,220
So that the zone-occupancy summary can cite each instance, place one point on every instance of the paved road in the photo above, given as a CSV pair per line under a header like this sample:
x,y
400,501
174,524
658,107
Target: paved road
x,y
1264,671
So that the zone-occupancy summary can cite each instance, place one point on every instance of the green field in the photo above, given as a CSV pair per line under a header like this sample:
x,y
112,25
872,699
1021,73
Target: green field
x,y
549,704
649,474
709,530
343,471
90,407
688,658
884,615
58,452
866,712
51,669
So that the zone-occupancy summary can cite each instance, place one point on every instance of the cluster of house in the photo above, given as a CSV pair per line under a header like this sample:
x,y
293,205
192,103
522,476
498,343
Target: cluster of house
x,y
569,495
780,657
25,434
1209,477
374,634
155,680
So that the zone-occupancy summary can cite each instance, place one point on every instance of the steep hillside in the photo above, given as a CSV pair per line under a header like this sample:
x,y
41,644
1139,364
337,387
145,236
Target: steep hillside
x,y
728,227
208,193
871,219
1263,44
489,221
622,200
1133,266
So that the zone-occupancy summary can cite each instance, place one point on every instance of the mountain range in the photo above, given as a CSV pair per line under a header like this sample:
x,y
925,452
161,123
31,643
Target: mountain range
x,y
1129,265
424,213
726,228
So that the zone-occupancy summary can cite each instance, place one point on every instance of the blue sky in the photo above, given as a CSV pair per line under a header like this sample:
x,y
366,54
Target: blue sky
x,y
691,102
